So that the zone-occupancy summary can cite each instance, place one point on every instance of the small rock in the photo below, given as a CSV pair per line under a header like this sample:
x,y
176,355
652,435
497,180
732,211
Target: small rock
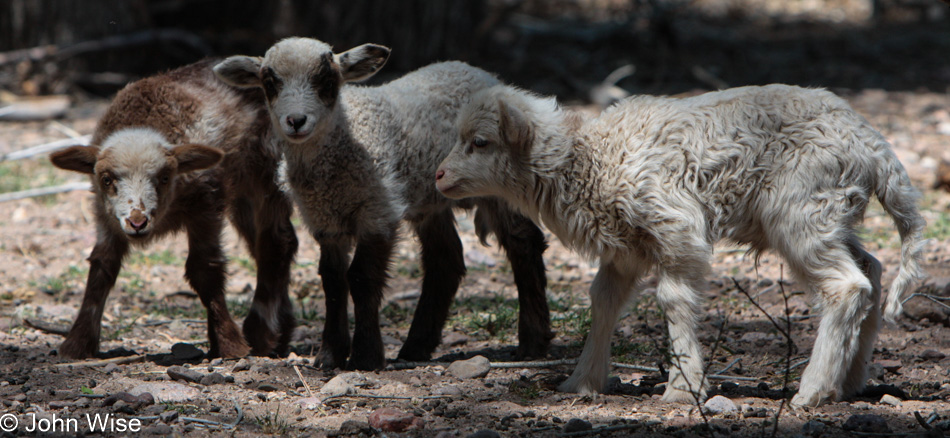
x,y
890,400
120,396
484,433
394,420
146,399
241,365
728,386
160,429
182,373
864,406
891,365
719,405
168,416
110,368
122,407
212,379
309,403
932,355
449,390
266,387
813,428
454,339
478,366
167,392
60,404
866,423
876,371
577,425
339,385
185,351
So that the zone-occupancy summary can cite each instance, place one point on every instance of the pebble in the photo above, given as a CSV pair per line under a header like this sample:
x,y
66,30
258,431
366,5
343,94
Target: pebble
x,y
454,339
160,429
355,427
182,373
484,433
167,392
866,423
339,385
110,368
212,379
241,365
185,351
813,428
449,390
577,425
478,366
728,386
394,420
719,404
309,403
266,387
168,416
891,365
932,355
888,399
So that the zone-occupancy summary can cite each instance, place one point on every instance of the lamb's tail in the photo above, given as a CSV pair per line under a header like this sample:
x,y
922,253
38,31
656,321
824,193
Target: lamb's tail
x,y
899,199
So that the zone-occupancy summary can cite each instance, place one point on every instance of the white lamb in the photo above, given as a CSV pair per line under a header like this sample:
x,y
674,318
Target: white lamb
x,y
358,161
654,182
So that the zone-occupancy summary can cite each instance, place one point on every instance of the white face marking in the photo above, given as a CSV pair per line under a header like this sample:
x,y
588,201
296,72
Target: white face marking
x,y
135,163
298,109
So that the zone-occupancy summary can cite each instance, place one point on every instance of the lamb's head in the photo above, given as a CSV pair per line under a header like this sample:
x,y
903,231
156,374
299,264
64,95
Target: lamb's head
x,y
134,174
493,154
301,79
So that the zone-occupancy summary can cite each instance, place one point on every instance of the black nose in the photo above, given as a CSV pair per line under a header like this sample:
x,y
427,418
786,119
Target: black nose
x,y
296,121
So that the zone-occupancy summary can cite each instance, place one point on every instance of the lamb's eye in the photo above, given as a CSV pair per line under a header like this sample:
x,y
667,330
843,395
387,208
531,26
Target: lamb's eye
x,y
164,179
479,142
106,180
270,87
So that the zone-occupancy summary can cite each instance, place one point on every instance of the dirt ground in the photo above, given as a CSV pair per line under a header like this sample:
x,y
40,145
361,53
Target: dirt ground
x,y
44,242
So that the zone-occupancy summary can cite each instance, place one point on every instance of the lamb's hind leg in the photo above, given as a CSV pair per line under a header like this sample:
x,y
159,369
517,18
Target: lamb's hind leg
x,y
205,270
677,297
444,268
270,324
367,277
846,297
524,244
335,344
608,294
858,372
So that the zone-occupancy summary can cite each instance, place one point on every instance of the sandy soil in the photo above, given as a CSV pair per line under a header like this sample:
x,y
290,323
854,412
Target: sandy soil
x,y
44,241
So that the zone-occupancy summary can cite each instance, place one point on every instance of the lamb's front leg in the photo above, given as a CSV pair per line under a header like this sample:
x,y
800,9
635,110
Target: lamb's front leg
x,y
367,277
608,294
680,303
335,344
104,264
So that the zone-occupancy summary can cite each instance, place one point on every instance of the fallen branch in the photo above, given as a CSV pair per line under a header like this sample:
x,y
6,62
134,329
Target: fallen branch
x,y
94,363
935,299
32,193
109,43
48,327
384,397
45,148
305,385
553,363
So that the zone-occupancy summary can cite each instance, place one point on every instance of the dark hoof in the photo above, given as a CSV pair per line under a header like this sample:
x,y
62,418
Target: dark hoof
x,y
412,353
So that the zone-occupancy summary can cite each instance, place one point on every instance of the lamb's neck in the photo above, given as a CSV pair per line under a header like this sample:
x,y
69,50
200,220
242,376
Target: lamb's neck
x,y
564,186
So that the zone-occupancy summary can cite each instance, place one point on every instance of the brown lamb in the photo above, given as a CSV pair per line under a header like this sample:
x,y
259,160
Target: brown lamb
x,y
153,162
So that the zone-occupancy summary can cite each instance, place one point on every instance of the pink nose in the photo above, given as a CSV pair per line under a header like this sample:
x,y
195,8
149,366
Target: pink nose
x,y
439,174
137,223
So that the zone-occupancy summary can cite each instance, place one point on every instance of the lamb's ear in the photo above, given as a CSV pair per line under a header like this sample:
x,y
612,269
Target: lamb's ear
x,y
362,62
240,71
76,158
514,127
192,157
